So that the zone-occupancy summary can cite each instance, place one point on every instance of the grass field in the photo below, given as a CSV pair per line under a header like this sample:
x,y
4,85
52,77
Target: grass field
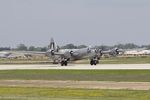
x,y
77,75
120,60
17,93
126,60
111,60
41,93
25,61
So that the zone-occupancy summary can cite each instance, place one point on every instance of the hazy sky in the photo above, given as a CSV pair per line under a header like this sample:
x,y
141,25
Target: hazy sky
x,y
90,22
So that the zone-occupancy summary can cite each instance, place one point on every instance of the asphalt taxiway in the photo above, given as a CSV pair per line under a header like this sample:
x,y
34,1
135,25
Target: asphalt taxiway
x,y
77,66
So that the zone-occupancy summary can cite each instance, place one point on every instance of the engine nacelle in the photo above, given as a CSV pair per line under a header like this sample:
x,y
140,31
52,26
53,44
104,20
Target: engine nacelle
x,y
71,53
74,53
114,52
50,53
99,52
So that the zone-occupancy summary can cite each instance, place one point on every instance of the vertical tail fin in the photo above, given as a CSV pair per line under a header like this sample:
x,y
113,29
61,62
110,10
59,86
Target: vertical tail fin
x,y
52,44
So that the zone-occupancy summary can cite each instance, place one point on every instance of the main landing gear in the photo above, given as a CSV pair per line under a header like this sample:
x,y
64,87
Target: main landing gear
x,y
94,61
64,62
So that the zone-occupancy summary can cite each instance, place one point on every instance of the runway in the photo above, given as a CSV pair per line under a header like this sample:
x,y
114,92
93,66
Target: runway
x,y
77,66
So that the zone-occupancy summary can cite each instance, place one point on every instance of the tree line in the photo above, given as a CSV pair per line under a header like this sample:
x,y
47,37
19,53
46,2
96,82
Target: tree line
x,y
23,47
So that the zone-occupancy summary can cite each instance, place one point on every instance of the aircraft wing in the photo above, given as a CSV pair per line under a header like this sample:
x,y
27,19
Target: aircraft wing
x,y
26,52
106,52
30,53
59,53
67,54
11,54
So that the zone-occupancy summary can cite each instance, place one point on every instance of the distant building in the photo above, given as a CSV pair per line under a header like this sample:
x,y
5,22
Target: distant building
x,y
137,52
4,48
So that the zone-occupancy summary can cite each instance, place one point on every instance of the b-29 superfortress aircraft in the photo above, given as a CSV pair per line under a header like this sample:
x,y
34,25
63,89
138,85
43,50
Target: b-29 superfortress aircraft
x,y
65,55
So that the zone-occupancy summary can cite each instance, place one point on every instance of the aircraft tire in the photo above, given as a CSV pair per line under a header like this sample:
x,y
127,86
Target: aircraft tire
x,y
91,62
62,63
65,63
94,62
